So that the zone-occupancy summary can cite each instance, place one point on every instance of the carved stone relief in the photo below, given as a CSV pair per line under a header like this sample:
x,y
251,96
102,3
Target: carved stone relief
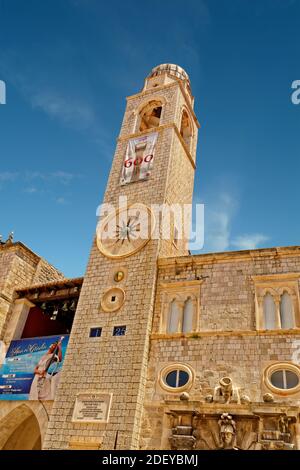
x,y
191,429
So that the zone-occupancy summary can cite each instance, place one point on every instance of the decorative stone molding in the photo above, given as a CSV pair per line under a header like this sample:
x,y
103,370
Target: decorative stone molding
x,y
133,235
115,278
277,367
227,428
276,285
279,438
236,427
113,299
225,392
171,367
183,426
179,292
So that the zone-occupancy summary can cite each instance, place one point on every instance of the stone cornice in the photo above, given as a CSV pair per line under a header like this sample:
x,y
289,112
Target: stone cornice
x,y
239,333
176,285
277,277
150,91
24,301
216,409
229,256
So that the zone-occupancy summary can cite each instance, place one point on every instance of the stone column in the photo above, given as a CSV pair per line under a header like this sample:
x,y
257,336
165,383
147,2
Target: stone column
x,y
277,314
18,319
180,322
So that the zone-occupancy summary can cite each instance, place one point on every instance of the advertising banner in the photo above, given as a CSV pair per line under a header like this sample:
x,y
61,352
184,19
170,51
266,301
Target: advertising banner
x,y
139,156
32,367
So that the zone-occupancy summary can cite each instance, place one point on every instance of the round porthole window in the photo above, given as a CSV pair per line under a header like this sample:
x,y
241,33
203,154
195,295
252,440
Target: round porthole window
x,y
283,378
176,377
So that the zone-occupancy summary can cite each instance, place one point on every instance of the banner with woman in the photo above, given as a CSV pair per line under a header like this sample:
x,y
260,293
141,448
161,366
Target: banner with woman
x,y
31,369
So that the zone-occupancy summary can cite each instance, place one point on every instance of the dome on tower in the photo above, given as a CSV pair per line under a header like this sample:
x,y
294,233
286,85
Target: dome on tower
x,y
171,69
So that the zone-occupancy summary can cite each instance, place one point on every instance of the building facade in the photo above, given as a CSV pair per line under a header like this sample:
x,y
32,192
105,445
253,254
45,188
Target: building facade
x,y
167,350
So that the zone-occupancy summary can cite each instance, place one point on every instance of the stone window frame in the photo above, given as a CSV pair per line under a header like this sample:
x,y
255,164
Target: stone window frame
x,y
180,291
276,285
115,291
277,366
141,106
172,367
94,338
189,145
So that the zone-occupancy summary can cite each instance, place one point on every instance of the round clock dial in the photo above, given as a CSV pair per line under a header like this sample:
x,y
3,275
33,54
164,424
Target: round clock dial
x,y
125,232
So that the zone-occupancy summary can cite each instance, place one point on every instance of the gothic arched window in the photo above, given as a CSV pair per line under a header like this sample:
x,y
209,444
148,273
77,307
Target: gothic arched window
x,y
286,311
186,129
269,312
277,301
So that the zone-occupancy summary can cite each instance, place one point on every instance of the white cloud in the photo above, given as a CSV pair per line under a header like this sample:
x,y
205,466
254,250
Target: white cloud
x,y
70,111
249,241
61,200
30,190
58,100
37,182
63,176
7,176
218,218
220,213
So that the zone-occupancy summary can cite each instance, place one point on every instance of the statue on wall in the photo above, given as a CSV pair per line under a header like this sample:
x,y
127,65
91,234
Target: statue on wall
x,y
227,429
283,424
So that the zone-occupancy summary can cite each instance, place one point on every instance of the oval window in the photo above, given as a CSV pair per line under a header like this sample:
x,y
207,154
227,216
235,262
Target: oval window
x,y
284,379
177,378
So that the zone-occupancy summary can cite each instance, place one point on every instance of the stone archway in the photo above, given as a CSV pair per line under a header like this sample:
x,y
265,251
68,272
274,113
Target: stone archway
x,y
20,430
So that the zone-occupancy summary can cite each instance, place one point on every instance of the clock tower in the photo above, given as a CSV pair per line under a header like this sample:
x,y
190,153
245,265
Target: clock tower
x,y
99,402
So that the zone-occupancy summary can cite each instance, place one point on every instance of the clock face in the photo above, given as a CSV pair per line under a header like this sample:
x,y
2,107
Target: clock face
x,y
126,231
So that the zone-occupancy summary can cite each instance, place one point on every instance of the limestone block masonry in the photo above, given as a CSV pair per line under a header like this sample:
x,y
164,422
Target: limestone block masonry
x,y
118,364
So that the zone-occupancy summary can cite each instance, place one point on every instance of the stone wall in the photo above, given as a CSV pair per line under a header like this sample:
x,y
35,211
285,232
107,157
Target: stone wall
x,y
227,342
227,300
243,357
19,268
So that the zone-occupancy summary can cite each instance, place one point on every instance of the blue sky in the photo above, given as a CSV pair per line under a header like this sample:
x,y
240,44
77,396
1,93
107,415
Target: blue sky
x,y
68,66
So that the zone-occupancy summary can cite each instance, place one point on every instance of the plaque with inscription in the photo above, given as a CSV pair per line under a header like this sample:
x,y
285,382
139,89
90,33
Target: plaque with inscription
x,y
92,408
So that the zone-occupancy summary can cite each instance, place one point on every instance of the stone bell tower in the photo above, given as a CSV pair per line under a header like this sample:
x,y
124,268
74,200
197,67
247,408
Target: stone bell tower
x,y
100,397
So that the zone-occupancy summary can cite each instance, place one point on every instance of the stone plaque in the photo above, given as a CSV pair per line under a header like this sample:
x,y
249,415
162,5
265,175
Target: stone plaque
x,y
92,408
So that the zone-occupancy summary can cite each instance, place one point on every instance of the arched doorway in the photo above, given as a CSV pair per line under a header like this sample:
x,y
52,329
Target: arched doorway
x,y
19,430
